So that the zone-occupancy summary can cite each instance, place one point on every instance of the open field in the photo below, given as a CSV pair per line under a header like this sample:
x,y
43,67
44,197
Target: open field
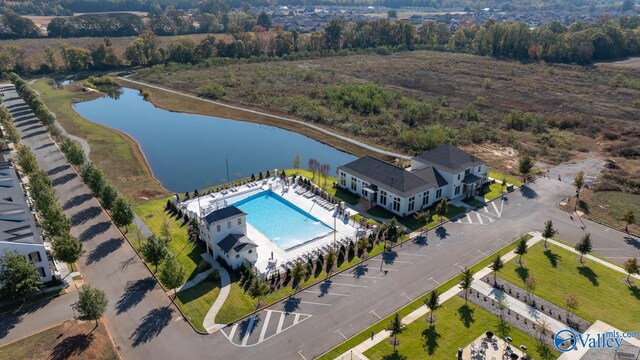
x,y
70,340
457,325
114,152
608,207
602,293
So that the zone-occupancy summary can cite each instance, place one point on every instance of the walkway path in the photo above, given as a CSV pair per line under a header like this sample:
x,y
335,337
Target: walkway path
x,y
209,322
299,122
359,349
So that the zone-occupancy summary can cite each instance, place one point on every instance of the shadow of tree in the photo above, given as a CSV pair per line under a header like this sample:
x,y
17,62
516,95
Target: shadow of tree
x,y
431,339
134,293
631,241
528,193
7,322
58,169
73,345
151,325
441,232
324,287
360,270
85,215
523,273
421,240
76,200
63,179
389,256
34,134
589,274
291,304
466,315
94,230
244,325
635,292
553,258
394,356
104,249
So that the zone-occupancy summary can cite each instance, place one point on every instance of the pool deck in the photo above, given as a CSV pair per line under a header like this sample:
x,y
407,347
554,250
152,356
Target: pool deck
x,y
305,200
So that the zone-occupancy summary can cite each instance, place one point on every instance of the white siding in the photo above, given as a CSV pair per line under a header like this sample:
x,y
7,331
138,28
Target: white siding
x,y
25,249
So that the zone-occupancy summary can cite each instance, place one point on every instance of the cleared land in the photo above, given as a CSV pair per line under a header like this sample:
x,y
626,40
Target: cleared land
x,y
602,293
609,207
70,340
457,325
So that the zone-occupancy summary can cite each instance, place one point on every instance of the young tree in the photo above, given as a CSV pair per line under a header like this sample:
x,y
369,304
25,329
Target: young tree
x,y
584,246
422,217
465,280
122,213
542,329
330,260
496,266
67,248
298,272
629,218
521,249
361,247
172,274
296,163
578,182
165,232
525,166
94,178
442,208
154,251
530,283
632,267
26,160
18,276
324,172
571,301
193,231
395,327
433,303
73,152
548,232
92,303
108,196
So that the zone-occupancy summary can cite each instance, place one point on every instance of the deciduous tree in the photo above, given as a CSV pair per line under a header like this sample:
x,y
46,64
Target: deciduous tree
x,y
92,303
18,276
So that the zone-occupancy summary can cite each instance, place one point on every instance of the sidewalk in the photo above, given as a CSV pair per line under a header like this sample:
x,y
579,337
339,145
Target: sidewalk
x,y
358,350
209,322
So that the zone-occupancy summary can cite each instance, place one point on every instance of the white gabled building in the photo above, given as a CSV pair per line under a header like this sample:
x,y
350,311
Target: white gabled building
x,y
18,230
445,171
224,232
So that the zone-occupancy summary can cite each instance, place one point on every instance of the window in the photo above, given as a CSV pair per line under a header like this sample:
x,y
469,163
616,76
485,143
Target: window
x,y
467,172
353,184
364,192
479,168
239,221
383,197
237,256
458,176
412,203
396,204
218,228
457,190
208,229
250,251
42,273
343,179
425,199
228,224
438,193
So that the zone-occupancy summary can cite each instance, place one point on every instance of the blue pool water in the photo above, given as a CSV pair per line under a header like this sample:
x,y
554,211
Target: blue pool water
x,y
282,222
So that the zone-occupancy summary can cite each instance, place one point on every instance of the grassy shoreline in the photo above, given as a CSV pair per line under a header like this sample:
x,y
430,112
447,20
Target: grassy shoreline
x,y
131,174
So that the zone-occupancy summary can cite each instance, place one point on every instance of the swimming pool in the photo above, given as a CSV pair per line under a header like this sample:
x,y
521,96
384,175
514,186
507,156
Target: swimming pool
x,y
282,222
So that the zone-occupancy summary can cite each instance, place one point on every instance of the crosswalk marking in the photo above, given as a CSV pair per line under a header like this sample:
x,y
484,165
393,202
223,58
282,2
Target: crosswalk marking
x,y
264,327
233,331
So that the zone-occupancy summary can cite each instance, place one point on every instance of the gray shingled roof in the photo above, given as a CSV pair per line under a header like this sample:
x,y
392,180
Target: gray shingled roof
x,y
431,175
388,177
16,221
221,214
237,242
448,158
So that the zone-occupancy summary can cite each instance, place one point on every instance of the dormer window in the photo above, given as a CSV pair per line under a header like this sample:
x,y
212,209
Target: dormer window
x,y
239,221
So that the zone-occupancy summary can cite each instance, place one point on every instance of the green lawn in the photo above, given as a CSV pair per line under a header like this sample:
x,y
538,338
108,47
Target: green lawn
x,y
404,311
196,301
153,214
240,303
495,190
602,293
29,300
457,325
327,185
510,179
609,207
411,222
473,202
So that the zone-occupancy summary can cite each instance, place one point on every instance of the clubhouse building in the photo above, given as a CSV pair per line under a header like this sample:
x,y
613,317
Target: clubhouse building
x,y
443,172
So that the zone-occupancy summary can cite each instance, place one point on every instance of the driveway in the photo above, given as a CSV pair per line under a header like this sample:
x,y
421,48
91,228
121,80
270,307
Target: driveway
x,y
145,325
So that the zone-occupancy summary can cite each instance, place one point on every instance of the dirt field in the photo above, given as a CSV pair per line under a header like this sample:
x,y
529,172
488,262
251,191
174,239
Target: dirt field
x,y
72,340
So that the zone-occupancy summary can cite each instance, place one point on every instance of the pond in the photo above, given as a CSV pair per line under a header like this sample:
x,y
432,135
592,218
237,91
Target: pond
x,y
187,152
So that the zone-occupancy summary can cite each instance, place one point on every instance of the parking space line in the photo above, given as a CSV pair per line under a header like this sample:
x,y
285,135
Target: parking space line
x,y
374,313
479,218
434,280
325,293
385,269
485,209
248,332
314,303
469,218
233,332
264,326
361,276
499,213
280,322
410,254
300,353
352,285
402,262
296,319
407,296
341,334
482,252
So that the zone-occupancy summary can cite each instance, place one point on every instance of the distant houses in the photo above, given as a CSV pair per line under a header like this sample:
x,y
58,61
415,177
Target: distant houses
x,y
444,172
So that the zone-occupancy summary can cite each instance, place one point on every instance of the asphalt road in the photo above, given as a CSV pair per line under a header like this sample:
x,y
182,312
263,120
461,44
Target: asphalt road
x,y
145,325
